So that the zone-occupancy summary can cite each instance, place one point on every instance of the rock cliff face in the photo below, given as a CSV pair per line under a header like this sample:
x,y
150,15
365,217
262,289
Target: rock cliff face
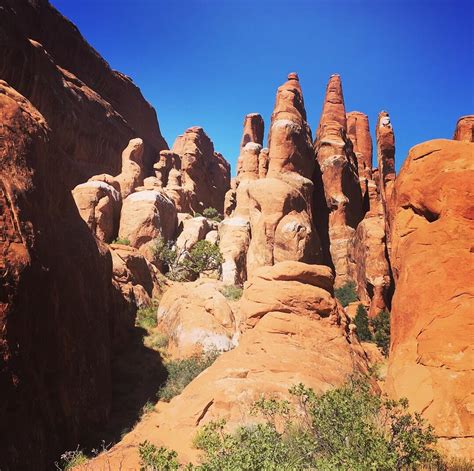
x,y
338,204
57,299
92,110
431,356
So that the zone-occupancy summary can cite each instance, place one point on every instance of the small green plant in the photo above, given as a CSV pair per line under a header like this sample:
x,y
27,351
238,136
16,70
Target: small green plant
x,y
232,292
148,407
146,317
346,293
197,215
182,372
121,240
184,265
381,326
361,320
70,459
157,459
157,341
213,214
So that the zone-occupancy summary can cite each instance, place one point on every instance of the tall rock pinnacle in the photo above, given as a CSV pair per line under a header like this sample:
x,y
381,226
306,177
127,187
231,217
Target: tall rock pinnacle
x,y
358,132
339,210
253,129
386,164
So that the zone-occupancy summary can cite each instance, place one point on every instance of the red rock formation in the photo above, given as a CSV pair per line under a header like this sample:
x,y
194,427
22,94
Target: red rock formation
x,y
464,129
385,160
431,358
253,129
92,110
340,210
280,204
205,173
292,318
56,299
359,133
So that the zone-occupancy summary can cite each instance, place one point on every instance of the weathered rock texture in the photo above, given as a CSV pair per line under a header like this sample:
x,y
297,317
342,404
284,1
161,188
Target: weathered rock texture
x,y
289,309
359,133
234,232
338,211
253,129
205,174
464,129
431,358
92,110
197,317
279,205
56,299
386,164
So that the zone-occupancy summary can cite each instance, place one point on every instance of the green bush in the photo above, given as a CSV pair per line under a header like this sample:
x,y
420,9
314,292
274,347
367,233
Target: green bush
x,y
146,317
361,320
346,428
213,214
157,459
123,241
346,293
182,372
232,292
381,326
185,265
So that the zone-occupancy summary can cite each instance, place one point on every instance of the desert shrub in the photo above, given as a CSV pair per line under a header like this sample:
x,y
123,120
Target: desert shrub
x,y
213,214
157,341
346,428
381,326
346,293
121,240
182,372
361,320
70,459
197,215
157,459
232,292
203,257
146,317
184,265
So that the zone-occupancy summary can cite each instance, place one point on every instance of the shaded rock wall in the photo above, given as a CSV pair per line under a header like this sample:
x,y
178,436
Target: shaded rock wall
x,y
92,110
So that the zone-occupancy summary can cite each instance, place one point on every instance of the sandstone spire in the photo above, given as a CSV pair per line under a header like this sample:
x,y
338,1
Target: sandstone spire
x,y
253,129
386,164
289,139
338,209
358,132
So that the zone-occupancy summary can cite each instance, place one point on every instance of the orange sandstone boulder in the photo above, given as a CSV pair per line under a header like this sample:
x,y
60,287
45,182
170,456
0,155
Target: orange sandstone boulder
x,y
197,317
431,358
300,336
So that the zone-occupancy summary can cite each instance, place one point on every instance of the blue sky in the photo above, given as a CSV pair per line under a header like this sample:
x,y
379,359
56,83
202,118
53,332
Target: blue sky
x,y
210,62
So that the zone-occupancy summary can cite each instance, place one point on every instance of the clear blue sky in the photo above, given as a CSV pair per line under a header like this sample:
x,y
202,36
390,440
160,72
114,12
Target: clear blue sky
x,y
210,62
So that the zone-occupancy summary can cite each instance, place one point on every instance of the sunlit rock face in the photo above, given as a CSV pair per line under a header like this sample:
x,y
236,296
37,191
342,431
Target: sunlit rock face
x,y
338,198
